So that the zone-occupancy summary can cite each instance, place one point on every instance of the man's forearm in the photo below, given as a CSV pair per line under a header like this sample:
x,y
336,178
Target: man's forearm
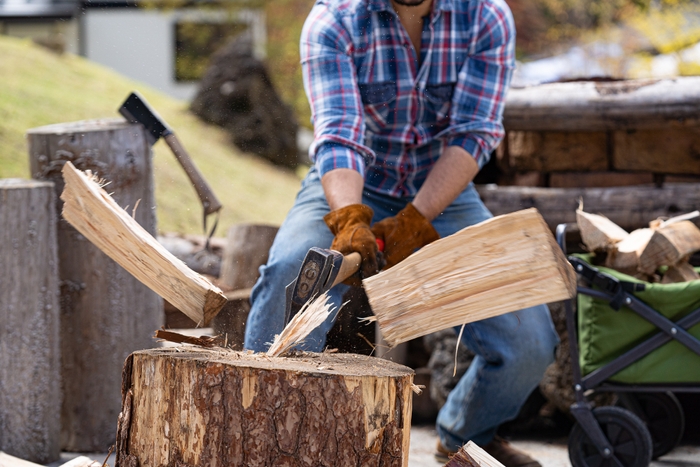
x,y
450,175
342,187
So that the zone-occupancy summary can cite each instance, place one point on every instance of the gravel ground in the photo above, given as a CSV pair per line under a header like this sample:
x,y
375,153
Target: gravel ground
x,y
549,452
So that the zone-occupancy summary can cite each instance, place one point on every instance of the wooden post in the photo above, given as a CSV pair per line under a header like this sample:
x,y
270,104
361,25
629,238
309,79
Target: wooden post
x,y
30,377
247,248
105,312
197,407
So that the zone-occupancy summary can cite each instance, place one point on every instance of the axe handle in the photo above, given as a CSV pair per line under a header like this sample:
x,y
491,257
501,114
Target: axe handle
x,y
350,265
209,201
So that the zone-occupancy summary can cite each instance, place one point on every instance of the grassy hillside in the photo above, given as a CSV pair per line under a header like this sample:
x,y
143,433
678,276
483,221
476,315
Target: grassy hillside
x,y
39,88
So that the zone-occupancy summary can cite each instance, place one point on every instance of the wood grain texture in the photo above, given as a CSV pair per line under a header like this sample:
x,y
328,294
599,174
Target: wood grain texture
x,y
471,455
198,407
105,312
666,151
30,366
599,179
598,232
669,245
681,272
600,106
552,151
629,207
624,255
96,215
501,265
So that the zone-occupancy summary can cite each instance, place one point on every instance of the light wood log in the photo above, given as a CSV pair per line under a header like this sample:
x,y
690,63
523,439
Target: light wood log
x,y
200,407
681,272
624,256
471,455
82,461
669,245
598,179
551,151
104,309
30,365
501,265
558,205
600,106
667,151
598,232
7,460
97,216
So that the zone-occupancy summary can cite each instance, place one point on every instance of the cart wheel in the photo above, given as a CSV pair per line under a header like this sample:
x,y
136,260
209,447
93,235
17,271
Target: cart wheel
x,y
663,416
626,433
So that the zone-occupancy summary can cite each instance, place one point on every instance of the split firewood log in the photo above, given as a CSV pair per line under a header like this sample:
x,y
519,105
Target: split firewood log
x,y
681,272
624,255
598,232
471,455
669,245
93,213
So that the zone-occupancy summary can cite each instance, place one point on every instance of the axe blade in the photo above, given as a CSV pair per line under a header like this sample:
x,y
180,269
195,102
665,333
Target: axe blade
x,y
136,110
316,276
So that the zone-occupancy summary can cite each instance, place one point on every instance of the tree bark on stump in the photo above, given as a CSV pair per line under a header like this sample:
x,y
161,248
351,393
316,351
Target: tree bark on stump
x,y
30,378
105,312
197,407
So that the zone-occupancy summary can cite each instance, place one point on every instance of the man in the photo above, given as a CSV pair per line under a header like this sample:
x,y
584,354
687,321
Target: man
x,y
407,101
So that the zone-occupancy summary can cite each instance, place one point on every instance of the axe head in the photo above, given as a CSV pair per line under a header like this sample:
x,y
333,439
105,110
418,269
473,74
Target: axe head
x,y
316,276
136,110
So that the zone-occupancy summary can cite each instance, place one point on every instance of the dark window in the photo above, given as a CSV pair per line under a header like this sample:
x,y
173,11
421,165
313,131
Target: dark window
x,y
196,42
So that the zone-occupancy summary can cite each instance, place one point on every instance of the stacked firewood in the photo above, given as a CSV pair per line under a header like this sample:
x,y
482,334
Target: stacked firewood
x,y
658,253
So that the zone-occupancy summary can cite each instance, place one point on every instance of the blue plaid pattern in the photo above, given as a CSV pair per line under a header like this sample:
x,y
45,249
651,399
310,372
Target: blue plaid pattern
x,y
378,110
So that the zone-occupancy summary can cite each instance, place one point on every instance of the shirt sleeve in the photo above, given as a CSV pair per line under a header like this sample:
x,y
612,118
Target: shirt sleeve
x,y
331,86
477,103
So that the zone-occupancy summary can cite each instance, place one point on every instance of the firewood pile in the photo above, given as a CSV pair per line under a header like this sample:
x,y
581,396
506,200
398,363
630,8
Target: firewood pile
x,y
657,253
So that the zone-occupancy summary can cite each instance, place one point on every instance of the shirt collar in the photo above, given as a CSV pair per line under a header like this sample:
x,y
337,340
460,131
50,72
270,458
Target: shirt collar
x,y
385,5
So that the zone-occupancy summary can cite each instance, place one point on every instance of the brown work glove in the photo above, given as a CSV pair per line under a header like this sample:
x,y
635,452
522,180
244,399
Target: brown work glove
x,y
403,234
350,225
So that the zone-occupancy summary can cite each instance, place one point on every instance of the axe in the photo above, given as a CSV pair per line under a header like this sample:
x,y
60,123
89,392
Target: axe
x,y
321,270
136,110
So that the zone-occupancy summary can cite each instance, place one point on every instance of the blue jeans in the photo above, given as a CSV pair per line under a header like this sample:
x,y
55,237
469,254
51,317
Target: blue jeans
x,y
512,350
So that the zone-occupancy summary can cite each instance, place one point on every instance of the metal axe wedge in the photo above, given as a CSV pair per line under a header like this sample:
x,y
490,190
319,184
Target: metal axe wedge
x,y
136,110
321,270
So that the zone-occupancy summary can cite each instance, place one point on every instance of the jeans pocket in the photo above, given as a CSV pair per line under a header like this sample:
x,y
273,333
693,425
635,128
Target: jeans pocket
x,y
378,100
438,101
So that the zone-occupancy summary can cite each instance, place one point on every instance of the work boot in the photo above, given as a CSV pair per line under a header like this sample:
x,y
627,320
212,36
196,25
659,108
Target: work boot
x,y
503,452
442,454
498,448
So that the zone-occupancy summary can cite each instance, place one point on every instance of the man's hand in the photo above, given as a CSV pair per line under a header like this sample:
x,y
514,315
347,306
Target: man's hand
x,y
350,225
404,233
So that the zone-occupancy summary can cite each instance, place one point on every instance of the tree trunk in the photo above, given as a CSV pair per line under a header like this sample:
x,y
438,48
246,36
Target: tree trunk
x,y
558,205
247,248
600,106
105,312
216,407
30,378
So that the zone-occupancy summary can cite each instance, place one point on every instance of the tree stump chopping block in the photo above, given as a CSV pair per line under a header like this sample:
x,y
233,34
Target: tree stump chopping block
x,y
106,313
30,376
199,407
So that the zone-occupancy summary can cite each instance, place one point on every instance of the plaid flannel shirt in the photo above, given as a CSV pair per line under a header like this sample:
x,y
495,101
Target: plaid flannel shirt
x,y
376,110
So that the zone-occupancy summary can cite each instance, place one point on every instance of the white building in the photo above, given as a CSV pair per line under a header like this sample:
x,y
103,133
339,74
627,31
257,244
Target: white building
x,y
143,43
